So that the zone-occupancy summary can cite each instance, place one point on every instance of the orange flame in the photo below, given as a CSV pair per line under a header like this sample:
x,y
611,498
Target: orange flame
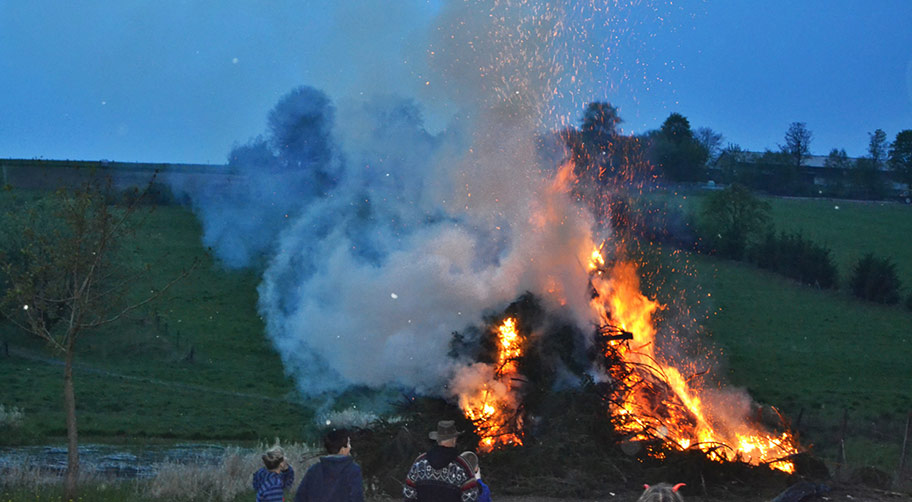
x,y
661,403
494,407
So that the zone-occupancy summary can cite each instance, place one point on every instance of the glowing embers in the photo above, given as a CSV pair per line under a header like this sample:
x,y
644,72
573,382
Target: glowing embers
x,y
651,401
494,407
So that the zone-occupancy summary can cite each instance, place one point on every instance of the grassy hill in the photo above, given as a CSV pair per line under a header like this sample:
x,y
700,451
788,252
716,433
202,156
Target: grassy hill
x,y
194,364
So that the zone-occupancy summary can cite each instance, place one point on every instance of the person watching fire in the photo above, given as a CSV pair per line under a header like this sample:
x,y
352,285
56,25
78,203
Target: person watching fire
x,y
336,477
440,474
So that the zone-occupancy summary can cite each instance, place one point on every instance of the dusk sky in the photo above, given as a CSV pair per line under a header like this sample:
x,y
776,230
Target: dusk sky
x,y
183,81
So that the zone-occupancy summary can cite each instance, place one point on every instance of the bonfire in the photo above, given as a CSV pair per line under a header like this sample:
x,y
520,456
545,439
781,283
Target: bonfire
x,y
649,399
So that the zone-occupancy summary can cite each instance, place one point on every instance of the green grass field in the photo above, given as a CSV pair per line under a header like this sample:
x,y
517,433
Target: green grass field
x,y
849,228
819,356
814,354
136,380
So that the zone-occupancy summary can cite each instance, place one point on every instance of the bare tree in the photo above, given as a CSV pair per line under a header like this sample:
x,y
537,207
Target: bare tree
x,y
65,277
797,143
711,142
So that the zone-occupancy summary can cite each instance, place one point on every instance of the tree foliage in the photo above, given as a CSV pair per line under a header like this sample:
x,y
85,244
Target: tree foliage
x,y
677,152
877,148
731,219
901,155
64,276
602,156
797,143
599,125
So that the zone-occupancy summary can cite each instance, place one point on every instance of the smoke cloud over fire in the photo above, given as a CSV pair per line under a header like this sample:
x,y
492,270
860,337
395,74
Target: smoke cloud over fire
x,y
380,238
379,235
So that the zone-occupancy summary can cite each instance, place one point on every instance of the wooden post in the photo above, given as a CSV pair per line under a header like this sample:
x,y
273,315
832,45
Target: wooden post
x,y
902,456
841,461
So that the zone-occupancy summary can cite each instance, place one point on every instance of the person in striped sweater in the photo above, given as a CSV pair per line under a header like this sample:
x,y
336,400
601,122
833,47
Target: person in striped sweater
x,y
271,481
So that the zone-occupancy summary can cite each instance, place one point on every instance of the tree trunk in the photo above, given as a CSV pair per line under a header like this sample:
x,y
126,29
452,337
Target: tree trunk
x,y
69,399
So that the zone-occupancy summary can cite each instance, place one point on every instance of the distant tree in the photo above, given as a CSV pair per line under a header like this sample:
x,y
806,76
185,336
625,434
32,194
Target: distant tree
x,y
299,127
733,218
677,128
877,148
711,141
600,141
680,156
729,163
797,143
599,125
837,159
901,155
65,276
867,178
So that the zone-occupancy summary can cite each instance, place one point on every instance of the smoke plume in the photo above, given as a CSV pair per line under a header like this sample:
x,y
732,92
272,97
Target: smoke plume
x,y
380,236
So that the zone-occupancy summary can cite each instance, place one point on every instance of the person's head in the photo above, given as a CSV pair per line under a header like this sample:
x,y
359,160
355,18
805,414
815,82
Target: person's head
x,y
273,458
662,492
446,433
470,458
337,442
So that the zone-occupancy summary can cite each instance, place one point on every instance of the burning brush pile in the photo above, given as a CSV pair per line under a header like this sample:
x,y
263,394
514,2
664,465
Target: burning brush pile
x,y
649,399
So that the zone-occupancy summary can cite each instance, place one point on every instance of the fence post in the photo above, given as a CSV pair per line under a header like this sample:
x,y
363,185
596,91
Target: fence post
x,y
902,456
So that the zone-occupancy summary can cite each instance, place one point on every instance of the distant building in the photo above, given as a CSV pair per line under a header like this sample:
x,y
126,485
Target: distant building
x,y
771,170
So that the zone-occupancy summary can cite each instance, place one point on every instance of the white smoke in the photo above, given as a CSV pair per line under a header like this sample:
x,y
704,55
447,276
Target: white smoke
x,y
422,235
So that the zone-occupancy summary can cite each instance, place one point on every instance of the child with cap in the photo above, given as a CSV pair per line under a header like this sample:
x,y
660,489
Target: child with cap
x,y
472,459
271,480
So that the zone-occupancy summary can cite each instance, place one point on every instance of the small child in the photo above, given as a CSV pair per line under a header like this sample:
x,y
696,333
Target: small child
x,y
472,459
271,481
662,492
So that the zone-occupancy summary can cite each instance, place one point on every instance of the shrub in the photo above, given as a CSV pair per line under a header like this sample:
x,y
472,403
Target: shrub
x,y
874,279
10,417
731,219
796,257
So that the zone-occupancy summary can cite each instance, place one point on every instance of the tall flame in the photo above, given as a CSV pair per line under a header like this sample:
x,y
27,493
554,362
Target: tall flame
x,y
658,402
494,408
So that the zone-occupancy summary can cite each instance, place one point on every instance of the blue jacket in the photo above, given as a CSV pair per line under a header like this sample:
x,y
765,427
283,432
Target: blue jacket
x,y
485,495
270,486
335,478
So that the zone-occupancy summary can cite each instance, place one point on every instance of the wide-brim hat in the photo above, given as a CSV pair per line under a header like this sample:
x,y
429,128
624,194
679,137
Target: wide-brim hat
x,y
446,429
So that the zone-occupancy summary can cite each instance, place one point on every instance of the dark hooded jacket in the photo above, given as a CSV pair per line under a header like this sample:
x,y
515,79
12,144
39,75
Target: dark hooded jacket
x,y
335,478
440,475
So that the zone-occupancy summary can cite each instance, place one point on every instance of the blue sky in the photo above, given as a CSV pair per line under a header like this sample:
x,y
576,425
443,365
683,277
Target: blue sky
x,y
182,81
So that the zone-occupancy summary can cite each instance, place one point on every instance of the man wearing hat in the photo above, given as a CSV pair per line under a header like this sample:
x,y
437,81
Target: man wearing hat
x,y
441,475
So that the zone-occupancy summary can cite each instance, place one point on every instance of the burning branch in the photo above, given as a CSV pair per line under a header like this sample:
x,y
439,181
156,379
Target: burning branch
x,y
495,408
652,401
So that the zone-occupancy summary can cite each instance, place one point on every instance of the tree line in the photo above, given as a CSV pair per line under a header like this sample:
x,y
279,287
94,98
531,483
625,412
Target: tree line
x,y
677,153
